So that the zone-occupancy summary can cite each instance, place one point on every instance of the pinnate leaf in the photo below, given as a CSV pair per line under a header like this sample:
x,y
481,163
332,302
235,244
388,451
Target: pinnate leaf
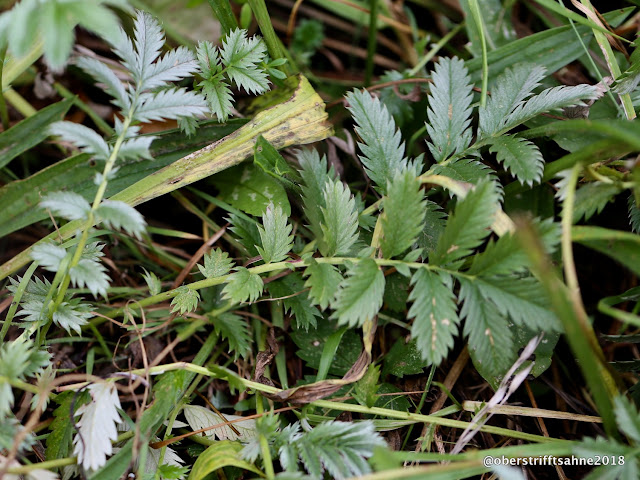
x,y
403,215
243,286
449,110
360,295
434,314
521,157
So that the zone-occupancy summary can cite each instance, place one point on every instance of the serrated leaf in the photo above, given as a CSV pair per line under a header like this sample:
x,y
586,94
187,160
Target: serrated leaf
x,y
216,264
68,205
92,274
208,59
246,231
599,447
220,454
521,157
490,337
549,100
313,171
360,295
464,170
120,215
243,286
48,256
449,111
59,439
404,358
522,299
510,90
97,426
173,66
323,281
153,282
432,226
434,314
137,148
506,256
382,147
108,80
148,40
219,98
469,225
295,300
403,214
591,199
169,104
634,214
72,316
275,235
627,418
200,417
339,223
234,329
185,301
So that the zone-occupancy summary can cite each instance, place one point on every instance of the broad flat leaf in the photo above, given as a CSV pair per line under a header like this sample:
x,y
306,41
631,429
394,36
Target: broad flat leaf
x,y
323,281
434,314
403,214
221,454
31,131
200,417
404,358
521,157
251,190
382,147
449,112
469,225
360,295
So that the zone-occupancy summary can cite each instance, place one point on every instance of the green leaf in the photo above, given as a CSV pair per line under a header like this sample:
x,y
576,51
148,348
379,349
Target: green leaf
x,y
435,315
251,190
48,256
291,289
367,387
275,235
521,157
219,98
221,454
234,329
153,282
108,79
216,264
403,214
510,90
119,215
243,286
339,220
313,171
592,198
469,225
67,205
92,274
404,358
621,246
185,301
464,170
360,295
523,299
323,281
433,226
634,214
490,337
242,56
31,131
382,148
246,231
62,429
506,256
269,159
449,111
626,466
169,104
627,418
138,148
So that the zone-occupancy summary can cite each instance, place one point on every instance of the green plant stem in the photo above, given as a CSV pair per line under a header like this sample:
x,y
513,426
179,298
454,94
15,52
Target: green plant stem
x,y
567,222
224,14
371,41
267,462
4,114
274,46
19,103
46,465
436,48
477,17
102,188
